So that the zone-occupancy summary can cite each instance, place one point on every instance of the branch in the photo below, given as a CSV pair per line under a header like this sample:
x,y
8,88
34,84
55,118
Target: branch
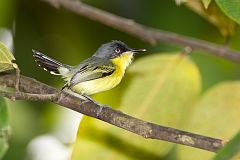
x,y
147,34
38,91
29,96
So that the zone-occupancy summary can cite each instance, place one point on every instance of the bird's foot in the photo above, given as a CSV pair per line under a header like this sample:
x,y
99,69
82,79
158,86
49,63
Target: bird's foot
x,y
101,106
100,109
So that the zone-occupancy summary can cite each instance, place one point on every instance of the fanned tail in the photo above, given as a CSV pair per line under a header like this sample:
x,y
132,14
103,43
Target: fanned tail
x,y
48,63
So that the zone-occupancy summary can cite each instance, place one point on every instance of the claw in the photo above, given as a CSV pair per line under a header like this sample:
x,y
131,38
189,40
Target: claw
x,y
65,86
85,98
100,109
83,102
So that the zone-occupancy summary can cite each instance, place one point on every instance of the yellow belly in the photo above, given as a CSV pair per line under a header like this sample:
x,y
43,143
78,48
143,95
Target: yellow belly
x,y
98,85
106,83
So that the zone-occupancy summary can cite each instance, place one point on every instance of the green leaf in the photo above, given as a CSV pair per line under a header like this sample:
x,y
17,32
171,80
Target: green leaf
x,y
230,149
206,3
215,115
4,127
214,15
231,8
160,88
6,58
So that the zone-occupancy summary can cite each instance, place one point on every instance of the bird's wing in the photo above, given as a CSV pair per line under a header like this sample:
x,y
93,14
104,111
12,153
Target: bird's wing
x,y
90,69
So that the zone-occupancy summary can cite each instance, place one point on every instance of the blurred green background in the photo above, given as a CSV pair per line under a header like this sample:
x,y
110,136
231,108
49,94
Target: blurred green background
x,y
70,38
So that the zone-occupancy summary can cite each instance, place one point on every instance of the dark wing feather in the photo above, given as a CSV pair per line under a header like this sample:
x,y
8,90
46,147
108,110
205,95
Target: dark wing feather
x,y
92,68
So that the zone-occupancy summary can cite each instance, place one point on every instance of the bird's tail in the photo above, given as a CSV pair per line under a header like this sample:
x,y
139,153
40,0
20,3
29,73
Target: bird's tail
x,y
49,64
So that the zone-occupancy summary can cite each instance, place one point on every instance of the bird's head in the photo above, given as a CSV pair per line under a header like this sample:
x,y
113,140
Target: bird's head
x,y
115,49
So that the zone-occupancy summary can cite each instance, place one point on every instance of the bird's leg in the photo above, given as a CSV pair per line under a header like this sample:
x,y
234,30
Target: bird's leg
x,y
65,86
95,102
66,89
84,97
101,108
89,98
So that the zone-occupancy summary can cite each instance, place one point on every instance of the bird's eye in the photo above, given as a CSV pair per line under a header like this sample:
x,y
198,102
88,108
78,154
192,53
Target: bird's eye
x,y
117,50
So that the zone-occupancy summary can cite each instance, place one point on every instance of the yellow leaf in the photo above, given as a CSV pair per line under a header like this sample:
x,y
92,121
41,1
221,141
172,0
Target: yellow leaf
x,y
216,115
6,58
206,3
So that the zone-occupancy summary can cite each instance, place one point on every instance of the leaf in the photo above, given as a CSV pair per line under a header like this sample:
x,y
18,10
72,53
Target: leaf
x,y
230,149
6,58
206,3
160,88
4,127
214,15
215,115
231,8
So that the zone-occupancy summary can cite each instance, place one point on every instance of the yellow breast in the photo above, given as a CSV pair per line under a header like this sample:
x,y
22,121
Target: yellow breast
x,y
106,83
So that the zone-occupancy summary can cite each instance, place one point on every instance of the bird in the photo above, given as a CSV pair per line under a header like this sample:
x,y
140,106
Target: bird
x,y
101,72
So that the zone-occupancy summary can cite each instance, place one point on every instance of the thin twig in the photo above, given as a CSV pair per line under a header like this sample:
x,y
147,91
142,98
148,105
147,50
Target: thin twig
x,y
17,78
150,35
43,92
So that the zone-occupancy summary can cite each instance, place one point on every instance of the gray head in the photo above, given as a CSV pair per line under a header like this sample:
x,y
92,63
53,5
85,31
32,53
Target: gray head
x,y
114,49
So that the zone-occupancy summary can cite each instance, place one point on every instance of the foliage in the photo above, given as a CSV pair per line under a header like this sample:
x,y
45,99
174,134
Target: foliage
x,y
4,127
206,3
230,8
216,114
198,94
6,59
231,149
213,14
6,63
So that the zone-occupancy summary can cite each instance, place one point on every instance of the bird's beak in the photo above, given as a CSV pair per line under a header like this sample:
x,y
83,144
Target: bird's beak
x,y
135,50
